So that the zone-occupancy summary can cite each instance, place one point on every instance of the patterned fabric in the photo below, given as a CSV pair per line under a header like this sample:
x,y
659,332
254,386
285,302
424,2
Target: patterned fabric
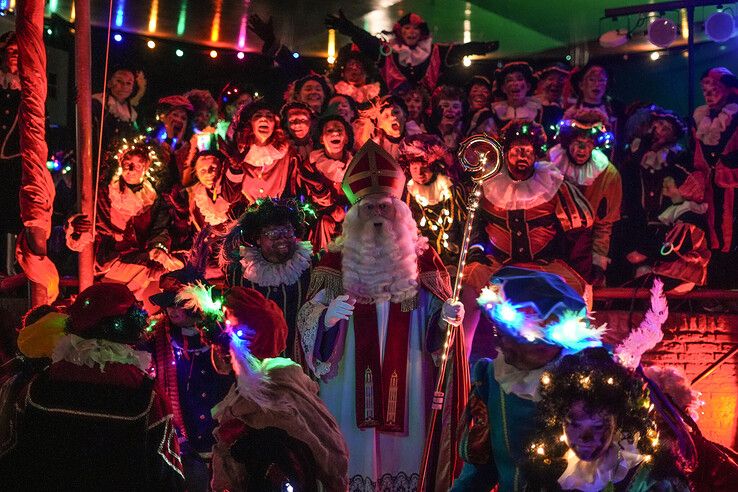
x,y
401,482
524,235
115,422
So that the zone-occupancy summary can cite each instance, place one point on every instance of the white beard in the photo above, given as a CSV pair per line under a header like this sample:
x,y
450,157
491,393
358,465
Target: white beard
x,y
381,263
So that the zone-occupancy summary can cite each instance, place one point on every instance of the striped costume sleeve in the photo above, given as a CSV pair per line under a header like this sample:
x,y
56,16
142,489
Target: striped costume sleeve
x,y
573,211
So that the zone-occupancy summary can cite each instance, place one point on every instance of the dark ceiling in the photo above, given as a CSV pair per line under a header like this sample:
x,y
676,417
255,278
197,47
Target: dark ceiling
x,y
523,27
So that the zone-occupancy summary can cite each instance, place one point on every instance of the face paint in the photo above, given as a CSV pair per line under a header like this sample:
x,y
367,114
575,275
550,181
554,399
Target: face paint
x,y
589,433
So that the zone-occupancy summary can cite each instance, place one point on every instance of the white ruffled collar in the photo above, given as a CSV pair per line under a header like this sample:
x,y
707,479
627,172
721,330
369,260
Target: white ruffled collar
x,y
436,192
359,93
10,81
262,272
657,159
709,129
122,111
330,168
506,193
96,351
264,155
593,476
528,111
582,175
215,213
412,56
523,384
672,213
129,203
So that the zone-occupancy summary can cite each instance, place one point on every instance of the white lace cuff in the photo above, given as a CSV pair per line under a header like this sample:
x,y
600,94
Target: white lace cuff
x,y
76,243
308,323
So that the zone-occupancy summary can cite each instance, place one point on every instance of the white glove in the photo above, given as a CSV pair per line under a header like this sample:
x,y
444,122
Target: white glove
x,y
339,308
452,312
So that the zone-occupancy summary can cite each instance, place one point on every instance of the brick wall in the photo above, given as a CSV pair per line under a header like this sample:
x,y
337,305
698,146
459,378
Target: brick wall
x,y
692,343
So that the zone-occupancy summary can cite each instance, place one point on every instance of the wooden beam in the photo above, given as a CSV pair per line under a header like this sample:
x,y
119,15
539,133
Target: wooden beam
x,y
82,70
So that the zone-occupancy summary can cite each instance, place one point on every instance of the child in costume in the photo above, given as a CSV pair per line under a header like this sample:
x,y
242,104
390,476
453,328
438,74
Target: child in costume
x,y
448,115
437,203
322,179
183,368
132,241
596,432
266,162
514,83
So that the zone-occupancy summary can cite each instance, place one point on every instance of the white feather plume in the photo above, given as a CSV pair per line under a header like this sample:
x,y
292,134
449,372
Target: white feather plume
x,y
649,332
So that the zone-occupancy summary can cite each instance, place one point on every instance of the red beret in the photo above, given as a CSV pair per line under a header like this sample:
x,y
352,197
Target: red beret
x,y
264,321
169,103
97,302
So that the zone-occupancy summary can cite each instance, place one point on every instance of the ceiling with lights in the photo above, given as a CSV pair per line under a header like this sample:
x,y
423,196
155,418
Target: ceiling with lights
x,y
525,28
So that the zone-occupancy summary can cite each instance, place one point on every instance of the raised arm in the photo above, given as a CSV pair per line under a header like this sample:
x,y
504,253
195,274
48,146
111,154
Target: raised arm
x,y
368,44
456,52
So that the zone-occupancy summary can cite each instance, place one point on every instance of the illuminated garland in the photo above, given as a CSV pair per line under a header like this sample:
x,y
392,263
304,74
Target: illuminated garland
x,y
594,378
569,129
528,130
571,329
139,143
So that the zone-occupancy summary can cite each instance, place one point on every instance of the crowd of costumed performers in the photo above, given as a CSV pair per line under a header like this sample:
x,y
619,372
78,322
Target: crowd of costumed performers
x,y
174,181
304,371
272,306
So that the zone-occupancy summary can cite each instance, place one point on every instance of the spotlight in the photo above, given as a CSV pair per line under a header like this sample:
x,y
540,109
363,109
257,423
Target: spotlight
x,y
331,60
295,55
49,31
117,37
151,44
655,55
466,61
179,53
213,54
662,32
240,55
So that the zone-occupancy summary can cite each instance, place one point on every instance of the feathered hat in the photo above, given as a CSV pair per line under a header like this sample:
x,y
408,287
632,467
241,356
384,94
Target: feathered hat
x,y
108,311
534,306
648,333
423,146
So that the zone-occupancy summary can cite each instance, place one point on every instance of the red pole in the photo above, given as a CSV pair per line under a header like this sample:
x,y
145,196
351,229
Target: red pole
x,y
37,189
82,62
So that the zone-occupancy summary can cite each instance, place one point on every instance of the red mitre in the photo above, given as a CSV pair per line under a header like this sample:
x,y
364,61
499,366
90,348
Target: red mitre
x,y
372,171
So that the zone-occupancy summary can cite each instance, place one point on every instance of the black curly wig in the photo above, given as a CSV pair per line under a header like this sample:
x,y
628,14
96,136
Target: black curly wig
x,y
262,214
